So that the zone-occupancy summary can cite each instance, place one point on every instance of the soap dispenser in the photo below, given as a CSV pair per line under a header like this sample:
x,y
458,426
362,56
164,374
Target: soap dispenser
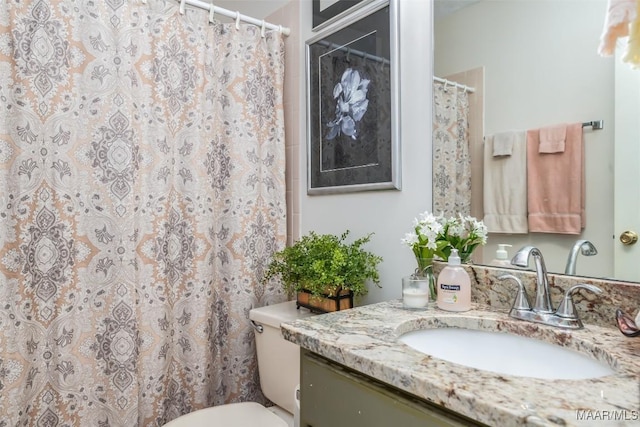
x,y
502,256
454,286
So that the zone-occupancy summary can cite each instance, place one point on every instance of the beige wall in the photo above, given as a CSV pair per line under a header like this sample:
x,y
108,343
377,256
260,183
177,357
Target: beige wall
x,y
553,77
289,16
259,9
474,78
578,98
388,214
504,53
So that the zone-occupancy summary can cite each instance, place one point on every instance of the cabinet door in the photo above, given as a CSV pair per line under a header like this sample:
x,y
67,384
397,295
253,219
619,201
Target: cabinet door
x,y
334,396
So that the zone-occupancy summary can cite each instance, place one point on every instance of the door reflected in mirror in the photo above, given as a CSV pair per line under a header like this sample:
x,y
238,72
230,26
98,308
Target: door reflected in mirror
x,y
532,64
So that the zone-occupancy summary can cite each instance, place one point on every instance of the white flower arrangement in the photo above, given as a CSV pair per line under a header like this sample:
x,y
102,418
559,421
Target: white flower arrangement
x,y
434,236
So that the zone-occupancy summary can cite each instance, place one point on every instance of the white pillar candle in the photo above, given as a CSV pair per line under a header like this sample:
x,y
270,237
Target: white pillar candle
x,y
415,297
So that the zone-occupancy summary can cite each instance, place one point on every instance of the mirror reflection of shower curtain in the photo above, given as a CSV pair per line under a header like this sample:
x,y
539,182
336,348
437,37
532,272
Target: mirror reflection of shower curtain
x,y
451,159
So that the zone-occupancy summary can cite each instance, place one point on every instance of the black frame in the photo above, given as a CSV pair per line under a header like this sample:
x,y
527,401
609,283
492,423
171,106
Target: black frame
x,y
324,17
362,152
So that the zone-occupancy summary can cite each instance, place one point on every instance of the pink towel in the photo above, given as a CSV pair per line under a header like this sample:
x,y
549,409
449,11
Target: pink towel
x,y
620,14
552,139
555,185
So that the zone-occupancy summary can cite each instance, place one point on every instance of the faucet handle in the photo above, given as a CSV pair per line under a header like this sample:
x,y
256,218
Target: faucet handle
x,y
522,299
567,308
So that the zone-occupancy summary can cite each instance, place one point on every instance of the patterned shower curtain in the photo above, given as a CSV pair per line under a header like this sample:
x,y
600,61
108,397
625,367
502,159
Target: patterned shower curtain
x,y
142,193
451,159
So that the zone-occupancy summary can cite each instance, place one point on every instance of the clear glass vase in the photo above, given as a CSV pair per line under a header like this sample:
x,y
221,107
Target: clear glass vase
x,y
425,270
465,257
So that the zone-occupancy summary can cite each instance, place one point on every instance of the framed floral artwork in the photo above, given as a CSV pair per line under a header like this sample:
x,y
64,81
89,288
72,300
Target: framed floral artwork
x,y
352,104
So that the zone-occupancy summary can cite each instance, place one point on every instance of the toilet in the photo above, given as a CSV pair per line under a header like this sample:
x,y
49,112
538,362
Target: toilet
x,y
279,367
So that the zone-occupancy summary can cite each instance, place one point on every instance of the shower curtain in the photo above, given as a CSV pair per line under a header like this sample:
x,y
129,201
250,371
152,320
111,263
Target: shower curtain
x,y
142,193
451,159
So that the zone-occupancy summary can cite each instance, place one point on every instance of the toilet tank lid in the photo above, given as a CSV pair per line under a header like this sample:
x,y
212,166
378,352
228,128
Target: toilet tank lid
x,y
274,315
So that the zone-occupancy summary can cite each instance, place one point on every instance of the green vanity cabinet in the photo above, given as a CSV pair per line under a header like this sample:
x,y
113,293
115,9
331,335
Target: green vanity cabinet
x,y
335,396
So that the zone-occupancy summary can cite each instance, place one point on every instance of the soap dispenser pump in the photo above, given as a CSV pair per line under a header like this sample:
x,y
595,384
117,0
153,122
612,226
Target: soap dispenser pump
x,y
502,256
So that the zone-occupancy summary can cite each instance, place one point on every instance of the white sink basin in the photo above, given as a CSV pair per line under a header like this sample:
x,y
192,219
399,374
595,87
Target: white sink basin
x,y
506,354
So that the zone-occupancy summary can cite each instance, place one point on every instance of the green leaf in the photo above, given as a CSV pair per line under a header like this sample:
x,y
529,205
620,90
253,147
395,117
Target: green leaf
x,y
321,263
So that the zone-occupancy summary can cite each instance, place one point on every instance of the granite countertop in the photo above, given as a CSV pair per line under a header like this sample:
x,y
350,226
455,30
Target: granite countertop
x,y
365,339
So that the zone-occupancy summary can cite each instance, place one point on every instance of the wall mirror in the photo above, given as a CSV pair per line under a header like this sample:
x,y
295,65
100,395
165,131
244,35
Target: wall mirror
x,y
534,63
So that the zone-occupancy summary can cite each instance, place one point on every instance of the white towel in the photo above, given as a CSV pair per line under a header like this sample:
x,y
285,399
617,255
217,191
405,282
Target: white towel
x,y
505,187
503,143
620,14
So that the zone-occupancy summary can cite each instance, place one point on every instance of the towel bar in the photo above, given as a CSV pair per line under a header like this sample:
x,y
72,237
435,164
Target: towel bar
x,y
595,124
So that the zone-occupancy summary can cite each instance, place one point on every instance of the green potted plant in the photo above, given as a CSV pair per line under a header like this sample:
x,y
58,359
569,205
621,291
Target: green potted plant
x,y
325,271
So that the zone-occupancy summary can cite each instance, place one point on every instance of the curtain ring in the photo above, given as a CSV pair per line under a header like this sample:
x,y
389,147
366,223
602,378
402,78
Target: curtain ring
x,y
182,2
237,20
280,28
212,12
144,1
262,28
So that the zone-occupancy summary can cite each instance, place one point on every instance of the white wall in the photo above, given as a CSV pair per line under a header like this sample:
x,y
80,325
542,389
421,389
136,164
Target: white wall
x,y
508,57
553,77
386,213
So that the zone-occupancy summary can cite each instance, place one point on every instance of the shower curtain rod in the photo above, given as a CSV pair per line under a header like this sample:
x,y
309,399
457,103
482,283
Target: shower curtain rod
x,y
231,14
450,83
334,46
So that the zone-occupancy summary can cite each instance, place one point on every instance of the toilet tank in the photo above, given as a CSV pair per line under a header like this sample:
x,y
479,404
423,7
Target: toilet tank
x,y
278,359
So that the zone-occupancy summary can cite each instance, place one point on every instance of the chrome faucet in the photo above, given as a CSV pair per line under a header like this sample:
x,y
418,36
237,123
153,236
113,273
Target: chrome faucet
x,y
565,316
585,247
521,259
